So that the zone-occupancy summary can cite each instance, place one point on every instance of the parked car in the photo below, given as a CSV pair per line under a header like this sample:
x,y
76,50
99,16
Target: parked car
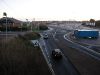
x,y
56,54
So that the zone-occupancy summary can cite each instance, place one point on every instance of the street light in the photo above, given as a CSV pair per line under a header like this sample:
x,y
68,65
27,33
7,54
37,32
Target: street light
x,y
27,24
32,24
5,14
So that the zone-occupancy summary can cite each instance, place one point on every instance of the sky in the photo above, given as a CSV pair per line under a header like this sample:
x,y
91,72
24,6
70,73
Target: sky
x,y
51,9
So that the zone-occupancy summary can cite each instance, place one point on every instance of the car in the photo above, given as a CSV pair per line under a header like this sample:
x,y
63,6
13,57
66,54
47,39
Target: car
x,y
35,43
45,36
56,54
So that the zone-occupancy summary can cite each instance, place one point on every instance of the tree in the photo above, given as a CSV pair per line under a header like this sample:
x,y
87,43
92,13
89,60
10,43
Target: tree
x,y
92,20
4,14
97,23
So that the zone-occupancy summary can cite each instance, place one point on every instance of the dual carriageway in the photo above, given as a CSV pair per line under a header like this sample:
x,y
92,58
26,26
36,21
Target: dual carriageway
x,y
56,39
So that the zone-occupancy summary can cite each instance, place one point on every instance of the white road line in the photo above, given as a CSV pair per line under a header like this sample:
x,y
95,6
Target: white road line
x,y
54,36
49,64
87,49
48,61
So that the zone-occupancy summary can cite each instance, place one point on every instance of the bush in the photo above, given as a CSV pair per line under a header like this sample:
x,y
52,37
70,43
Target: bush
x,y
97,23
19,57
30,36
43,27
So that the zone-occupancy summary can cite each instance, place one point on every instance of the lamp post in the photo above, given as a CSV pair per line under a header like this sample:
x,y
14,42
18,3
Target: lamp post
x,y
5,14
32,24
27,24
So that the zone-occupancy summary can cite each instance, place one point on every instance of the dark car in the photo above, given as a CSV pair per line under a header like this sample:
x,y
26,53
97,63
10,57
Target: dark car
x,y
56,54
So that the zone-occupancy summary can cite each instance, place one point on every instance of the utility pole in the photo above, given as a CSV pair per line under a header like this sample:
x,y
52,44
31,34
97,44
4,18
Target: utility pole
x,y
38,26
27,24
32,23
31,26
5,14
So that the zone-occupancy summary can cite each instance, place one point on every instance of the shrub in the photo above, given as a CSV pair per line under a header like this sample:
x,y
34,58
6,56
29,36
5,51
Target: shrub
x,y
43,27
97,23
30,36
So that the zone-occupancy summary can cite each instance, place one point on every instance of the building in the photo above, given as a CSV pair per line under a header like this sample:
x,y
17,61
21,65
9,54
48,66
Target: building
x,y
11,22
88,23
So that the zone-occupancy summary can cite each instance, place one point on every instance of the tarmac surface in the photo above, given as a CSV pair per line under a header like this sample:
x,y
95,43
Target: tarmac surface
x,y
89,42
93,44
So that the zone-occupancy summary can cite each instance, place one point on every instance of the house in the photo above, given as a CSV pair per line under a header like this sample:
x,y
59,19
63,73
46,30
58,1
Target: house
x,y
10,22
88,23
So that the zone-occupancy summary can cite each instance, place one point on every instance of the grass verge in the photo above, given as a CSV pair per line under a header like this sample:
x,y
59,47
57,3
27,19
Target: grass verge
x,y
19,57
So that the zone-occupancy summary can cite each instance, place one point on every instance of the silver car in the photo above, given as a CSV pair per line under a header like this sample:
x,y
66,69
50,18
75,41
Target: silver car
x,y
45,36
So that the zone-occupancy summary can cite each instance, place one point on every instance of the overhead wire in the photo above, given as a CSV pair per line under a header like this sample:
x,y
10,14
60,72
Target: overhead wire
x,y
7,6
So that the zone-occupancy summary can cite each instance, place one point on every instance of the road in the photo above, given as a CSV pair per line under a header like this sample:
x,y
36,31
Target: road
x,y
60,67
11,34
60,32
56,40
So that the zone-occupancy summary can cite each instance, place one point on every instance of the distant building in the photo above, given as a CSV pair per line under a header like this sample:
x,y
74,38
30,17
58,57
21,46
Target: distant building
x,y
11,22
88,23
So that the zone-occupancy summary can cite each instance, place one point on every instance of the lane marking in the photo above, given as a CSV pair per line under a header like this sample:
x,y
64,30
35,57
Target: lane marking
x,y
48,61
87,50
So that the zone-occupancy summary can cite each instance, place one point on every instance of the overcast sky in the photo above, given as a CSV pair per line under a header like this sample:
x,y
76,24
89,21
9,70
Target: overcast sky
x,y
51,9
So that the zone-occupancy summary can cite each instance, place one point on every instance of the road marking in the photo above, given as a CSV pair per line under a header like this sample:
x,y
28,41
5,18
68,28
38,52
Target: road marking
x,y
54,36
48,61
87,50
